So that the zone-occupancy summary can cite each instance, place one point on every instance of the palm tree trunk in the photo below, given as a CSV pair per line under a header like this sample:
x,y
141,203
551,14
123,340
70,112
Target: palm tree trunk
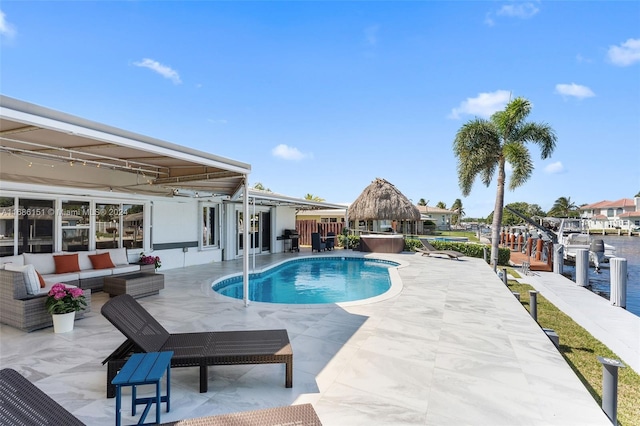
x,y
497,215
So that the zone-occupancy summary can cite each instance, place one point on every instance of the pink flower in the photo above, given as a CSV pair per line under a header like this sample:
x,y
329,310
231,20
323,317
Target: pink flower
x,y
76,292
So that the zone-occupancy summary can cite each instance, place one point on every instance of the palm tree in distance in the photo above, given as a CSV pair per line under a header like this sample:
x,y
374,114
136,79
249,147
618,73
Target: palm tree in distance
x,y
422,202
563,207
441,205
485,146
459,211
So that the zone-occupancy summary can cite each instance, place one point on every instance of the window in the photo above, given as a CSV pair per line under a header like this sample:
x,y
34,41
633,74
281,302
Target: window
x,y
74,218
35,225
119,225
210,218
7,224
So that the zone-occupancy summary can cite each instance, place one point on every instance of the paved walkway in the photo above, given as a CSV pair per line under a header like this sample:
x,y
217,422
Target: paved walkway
x,y
615,327
452,347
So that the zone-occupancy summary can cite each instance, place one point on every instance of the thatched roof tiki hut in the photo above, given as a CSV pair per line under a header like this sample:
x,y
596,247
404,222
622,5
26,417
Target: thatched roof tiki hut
x,y
382,201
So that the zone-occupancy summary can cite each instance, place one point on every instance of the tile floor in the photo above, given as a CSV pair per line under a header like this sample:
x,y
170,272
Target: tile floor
x,y
453,347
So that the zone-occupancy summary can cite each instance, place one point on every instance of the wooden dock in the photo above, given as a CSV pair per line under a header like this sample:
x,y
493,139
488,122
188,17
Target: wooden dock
x,y
517,258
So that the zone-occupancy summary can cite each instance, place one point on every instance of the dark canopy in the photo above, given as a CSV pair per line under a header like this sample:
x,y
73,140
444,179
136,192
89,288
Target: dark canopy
x,y
382,201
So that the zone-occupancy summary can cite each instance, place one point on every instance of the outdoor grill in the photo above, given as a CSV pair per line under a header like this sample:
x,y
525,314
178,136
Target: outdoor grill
x,y
291,240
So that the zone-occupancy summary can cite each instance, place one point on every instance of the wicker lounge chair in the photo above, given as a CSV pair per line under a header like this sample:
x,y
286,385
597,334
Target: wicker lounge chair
x,y
200,349
427,249
23,403
293,415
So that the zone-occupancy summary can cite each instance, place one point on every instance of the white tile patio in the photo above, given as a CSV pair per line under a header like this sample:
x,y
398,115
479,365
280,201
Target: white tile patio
x,y
453,347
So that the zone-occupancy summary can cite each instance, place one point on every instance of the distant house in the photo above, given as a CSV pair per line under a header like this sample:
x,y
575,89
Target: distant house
x,y
620,214
441,217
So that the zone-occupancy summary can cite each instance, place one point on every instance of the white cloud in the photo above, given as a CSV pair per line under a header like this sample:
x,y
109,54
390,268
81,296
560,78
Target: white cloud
x,y
575,90
518,10
626,54
484,105
288,153
371,34
163,70
6,29
554,168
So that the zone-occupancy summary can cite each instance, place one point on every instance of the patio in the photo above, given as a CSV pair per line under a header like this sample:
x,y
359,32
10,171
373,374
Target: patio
x,y
454,347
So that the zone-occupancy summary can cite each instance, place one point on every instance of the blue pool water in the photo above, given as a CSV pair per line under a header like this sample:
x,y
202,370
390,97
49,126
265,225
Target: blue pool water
x,y
314,280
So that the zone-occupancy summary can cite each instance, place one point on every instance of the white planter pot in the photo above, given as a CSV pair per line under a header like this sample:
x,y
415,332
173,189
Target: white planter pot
x,y
63,323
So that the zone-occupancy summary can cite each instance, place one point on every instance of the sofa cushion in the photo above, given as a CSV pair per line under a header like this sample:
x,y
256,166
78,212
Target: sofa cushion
x,y
66,263
118,255
61,278
30,276
16,260
93,273
83,259
43,262
101,261
125,269
47,288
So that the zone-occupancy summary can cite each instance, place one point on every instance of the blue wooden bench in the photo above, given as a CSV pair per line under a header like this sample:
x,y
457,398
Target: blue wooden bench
x,y
144,369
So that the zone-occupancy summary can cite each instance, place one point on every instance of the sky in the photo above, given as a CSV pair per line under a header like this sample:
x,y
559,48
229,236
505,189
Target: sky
x,y
323,97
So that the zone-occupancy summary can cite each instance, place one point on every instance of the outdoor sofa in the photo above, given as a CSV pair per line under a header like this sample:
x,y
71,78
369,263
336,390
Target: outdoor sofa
x,y
77,268
23,403
26,311
199,349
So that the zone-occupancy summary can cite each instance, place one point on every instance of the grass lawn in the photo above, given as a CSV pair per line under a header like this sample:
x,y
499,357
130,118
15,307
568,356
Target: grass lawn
x,y
580,349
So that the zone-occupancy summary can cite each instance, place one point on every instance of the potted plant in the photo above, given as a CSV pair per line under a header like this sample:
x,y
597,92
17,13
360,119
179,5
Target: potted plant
x,y
62,303
150,260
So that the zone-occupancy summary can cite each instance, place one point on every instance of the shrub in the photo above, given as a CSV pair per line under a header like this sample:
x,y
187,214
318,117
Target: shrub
x,y
468,249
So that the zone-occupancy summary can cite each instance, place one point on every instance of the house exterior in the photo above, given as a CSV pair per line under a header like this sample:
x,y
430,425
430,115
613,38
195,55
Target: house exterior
x,y
621,214
71,184
441,217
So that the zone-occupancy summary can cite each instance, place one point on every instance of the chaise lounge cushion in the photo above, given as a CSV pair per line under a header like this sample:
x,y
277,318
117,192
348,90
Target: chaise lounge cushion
x,y
101,261
66,263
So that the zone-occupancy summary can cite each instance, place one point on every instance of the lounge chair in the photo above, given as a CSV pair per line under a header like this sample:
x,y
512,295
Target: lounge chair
x,y
428,249
201,349
293,415
23,403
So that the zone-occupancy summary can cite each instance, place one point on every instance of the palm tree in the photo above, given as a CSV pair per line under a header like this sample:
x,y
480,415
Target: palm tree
x,y
422,202
485,146
459,211
312,197
441,205
563,207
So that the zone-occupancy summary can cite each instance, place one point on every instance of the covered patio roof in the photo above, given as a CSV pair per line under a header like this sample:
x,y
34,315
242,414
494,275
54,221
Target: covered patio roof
x,y
43,146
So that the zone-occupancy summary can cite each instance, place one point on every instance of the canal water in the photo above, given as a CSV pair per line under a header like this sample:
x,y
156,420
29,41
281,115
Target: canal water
x,y
628,248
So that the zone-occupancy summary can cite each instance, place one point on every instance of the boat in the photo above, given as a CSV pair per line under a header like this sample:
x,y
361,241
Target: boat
x,y
573,236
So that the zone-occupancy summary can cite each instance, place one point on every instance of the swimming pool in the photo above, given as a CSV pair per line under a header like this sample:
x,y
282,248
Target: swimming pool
x,y
314,280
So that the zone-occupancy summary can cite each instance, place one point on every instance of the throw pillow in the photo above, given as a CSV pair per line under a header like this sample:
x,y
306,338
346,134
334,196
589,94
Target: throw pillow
x,y
66,263
41,280
30,277
101,261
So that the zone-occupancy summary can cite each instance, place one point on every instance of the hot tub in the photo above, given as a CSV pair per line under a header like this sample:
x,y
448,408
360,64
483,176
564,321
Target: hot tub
x,y
393,243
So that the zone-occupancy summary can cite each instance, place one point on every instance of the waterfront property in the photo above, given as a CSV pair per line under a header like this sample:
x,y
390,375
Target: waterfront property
x,y
68,184
446,350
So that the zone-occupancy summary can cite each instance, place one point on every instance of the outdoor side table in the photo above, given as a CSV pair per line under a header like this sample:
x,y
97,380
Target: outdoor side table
x,y
144,369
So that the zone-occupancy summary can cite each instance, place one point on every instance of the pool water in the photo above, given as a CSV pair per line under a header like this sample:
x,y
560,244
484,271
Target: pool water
x,y
314,280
